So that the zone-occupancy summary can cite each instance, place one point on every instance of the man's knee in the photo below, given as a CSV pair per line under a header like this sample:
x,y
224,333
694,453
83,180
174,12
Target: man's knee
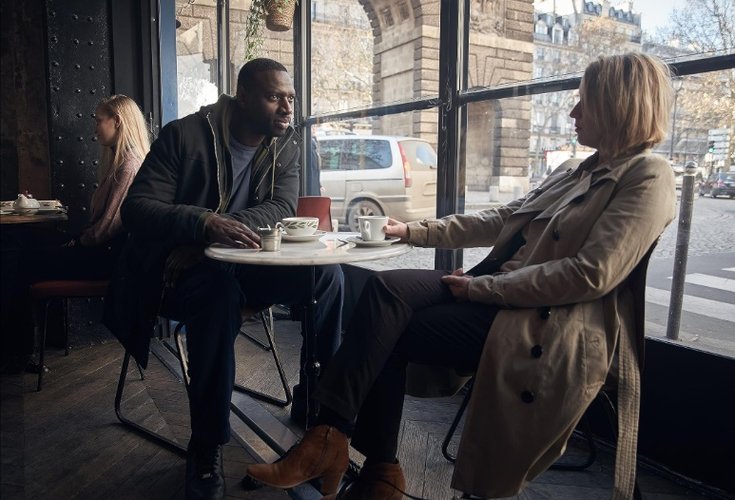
x,y
330,276
208,285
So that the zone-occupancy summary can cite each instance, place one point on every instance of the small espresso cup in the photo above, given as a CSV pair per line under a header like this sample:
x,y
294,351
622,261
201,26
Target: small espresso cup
x,y
371,227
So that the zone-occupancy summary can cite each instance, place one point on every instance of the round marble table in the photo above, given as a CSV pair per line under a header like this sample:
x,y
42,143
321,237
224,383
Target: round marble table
x,y
331,248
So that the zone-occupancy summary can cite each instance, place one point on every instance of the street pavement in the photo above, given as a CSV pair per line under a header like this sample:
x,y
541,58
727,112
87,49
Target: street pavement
x,y
708,316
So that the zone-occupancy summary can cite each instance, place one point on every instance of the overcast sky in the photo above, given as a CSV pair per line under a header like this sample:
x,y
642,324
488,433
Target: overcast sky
x,y
655,13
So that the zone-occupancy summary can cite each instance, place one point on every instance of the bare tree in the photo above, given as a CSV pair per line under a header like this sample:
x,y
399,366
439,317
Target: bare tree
x,y
708,100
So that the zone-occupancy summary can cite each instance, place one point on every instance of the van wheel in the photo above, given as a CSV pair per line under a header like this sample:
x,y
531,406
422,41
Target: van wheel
x,y
362,207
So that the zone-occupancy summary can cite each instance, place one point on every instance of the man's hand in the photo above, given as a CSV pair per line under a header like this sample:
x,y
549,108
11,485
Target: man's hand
x,y
230,232
458,284
396,228
178,261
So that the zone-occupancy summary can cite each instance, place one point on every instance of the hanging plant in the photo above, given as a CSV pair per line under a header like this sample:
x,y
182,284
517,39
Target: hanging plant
x,y
277,15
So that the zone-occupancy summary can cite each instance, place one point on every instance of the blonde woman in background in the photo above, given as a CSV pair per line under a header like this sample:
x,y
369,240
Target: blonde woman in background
x,y
91,255
122,134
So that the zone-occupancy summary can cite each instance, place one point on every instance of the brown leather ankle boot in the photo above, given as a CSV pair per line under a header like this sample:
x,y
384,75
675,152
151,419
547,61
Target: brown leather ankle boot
x,y
378,481
323,452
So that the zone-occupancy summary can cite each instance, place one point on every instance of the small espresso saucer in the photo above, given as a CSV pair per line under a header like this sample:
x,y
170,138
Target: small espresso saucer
x,y
299,239
358,241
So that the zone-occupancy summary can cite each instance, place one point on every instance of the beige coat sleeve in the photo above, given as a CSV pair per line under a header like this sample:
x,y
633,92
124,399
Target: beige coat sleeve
x,y
106,223
479,229
637,213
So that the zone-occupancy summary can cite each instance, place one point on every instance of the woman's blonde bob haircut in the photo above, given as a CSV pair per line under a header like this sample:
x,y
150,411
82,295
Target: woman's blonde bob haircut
x,y
629,97
132,135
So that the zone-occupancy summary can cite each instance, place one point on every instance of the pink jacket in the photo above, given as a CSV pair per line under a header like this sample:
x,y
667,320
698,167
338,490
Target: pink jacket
x,y
104,218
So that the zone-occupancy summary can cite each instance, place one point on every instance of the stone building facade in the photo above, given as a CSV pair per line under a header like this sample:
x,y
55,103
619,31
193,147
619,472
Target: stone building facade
x,y
404,65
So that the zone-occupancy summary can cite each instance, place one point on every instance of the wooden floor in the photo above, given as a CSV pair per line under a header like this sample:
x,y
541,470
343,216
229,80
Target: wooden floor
x,y
65,443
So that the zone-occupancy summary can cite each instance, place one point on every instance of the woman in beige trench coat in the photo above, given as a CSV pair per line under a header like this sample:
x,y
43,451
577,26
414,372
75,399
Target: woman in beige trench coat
x,y
540,320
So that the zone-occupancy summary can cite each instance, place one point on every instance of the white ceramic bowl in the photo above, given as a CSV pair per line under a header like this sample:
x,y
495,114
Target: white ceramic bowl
x,y
300,226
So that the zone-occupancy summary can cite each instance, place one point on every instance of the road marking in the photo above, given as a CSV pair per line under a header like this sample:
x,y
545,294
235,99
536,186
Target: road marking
x,y
711,281
697,305
729,269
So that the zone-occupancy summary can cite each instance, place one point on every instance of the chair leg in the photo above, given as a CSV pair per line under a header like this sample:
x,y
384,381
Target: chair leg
x,y
183,359
65,316
42,346
591,447
268,327
143,431
452,428
255,340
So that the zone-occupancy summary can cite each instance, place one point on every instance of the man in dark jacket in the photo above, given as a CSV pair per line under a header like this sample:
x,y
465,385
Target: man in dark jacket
x,y
213,177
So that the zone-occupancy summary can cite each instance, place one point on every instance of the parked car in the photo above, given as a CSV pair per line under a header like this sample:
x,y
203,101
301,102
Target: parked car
x,y
719,184
378,175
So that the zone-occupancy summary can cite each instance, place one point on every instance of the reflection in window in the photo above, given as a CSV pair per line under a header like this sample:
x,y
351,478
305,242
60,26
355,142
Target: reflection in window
x,y
196,57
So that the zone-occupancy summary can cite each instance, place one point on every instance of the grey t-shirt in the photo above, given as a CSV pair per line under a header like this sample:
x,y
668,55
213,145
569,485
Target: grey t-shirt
x,y
242,157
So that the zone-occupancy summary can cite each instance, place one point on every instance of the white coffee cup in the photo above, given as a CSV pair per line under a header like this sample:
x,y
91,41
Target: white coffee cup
x,y
371,227
300,226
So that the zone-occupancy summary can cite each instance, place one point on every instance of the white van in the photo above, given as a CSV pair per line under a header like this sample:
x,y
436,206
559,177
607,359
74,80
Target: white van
x,y
378,175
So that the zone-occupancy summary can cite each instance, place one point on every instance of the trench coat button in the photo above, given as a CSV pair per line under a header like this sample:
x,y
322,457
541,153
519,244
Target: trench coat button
x,y
544,312
555,235
537,351
527,396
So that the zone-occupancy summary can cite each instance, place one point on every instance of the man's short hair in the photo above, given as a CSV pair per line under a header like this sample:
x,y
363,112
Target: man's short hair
x,y
246,77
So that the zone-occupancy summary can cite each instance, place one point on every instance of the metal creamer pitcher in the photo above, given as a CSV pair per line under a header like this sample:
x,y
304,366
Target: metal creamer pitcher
x,y
270,237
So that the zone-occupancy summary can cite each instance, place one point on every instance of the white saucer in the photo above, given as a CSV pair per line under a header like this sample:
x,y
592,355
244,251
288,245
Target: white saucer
x,y
309,237
357,240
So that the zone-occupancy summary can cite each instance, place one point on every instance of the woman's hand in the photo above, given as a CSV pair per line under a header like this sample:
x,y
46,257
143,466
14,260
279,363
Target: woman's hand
x,y
230,232
458,284
396,228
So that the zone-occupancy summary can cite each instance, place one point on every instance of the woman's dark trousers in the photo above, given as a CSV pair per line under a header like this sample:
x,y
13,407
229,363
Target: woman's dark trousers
x,y
402,316
209,300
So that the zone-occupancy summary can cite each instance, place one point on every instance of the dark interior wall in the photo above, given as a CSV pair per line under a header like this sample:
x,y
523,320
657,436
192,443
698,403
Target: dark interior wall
x,y
80,74
24,149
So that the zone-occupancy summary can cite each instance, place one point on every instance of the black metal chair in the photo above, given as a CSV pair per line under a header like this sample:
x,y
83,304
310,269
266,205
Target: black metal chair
x,y
179,353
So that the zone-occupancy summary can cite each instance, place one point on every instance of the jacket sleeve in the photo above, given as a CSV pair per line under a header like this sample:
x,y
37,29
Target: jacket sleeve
x,y
635,216
108,224
479,229
150,209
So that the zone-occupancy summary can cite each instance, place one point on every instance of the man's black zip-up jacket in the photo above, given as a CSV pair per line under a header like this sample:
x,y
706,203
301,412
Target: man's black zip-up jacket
x,y
185,178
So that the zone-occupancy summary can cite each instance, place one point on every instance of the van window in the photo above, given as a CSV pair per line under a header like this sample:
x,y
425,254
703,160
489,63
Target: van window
x,y
355,154
419,154
330,153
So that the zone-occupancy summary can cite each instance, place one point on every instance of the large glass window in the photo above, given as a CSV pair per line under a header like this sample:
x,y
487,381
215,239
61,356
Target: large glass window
x,y
371,53
375,107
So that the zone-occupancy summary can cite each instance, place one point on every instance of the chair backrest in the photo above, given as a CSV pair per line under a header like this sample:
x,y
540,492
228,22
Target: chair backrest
x,y
316,206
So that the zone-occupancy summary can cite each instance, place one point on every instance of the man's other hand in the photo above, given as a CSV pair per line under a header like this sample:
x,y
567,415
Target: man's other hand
x,y
230,232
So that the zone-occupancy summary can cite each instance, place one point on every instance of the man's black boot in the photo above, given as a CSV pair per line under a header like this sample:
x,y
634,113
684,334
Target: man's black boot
x,y
205,478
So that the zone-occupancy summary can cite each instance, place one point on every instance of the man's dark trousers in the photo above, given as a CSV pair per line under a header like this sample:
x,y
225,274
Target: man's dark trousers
x,y
209,299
